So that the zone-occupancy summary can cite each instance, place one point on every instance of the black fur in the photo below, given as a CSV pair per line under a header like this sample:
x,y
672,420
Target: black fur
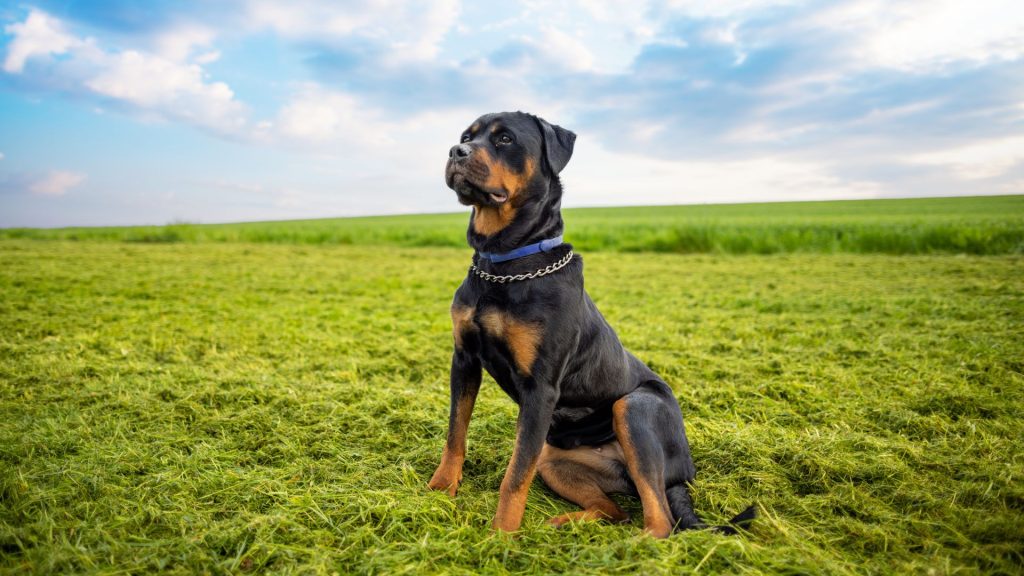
x,y
581,369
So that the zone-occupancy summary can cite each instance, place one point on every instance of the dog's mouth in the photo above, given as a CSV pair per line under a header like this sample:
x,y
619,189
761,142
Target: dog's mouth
x,y
469,193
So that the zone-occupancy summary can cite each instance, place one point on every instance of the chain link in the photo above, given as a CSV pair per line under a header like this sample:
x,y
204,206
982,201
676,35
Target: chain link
x,y
515,278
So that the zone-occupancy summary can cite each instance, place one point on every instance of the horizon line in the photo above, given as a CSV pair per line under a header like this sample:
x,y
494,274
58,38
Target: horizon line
x,y
453,212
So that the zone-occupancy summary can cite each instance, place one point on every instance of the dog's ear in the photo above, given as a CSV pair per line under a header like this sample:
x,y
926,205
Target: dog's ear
x,y
558,143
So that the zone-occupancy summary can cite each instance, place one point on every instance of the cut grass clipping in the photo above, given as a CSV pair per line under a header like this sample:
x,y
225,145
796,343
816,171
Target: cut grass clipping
x,y
230,407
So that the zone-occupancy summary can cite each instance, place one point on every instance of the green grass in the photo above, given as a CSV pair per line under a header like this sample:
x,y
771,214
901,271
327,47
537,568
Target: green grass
x,y
230,408
977,225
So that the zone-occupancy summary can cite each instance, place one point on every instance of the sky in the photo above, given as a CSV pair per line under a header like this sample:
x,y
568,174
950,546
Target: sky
x,y
160,111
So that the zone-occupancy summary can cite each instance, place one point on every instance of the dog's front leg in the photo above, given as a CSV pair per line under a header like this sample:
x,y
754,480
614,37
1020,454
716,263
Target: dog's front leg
x,y
465,383
531,432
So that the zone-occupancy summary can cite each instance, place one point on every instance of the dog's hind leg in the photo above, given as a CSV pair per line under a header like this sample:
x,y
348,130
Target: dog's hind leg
x,y
636,419
649,426
585,476
681,504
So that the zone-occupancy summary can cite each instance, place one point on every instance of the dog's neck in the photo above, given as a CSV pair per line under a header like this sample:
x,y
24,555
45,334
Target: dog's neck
x,y
538,218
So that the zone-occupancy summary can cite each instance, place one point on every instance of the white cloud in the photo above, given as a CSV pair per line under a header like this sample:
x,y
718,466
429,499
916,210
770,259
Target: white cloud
x,y
208,57
233,186
39,35
921,35
410,30
558,50
173,89
763,132
645,132
354,145
1,155
609,31
725,8
604,175
565,50
316,116
56,183
550,50
157,84
978,160
339,123
910,35
178,43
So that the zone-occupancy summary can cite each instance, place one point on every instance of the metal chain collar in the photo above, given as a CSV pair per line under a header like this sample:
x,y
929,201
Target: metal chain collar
x,y
517,277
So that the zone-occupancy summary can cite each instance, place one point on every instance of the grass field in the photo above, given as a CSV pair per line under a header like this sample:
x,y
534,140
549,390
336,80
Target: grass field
x,y
241,407
978,225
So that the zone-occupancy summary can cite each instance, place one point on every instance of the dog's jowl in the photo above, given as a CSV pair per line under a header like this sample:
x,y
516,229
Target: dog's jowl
x,y
593,419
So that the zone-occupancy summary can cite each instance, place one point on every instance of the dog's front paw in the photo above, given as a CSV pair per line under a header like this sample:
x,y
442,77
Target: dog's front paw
x,y
505,531
505,525
444,481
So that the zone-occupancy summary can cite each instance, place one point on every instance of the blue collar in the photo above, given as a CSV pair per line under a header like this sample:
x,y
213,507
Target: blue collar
x,y
528,250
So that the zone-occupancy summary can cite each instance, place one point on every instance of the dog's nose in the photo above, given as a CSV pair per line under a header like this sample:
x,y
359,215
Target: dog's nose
x,y
460,152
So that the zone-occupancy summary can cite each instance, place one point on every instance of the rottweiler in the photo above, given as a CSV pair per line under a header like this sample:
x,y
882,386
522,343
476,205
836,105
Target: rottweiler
x,y
593,419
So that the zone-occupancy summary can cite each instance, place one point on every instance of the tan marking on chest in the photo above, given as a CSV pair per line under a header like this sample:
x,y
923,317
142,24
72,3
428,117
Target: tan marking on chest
x,y
489,220
522,338
462,322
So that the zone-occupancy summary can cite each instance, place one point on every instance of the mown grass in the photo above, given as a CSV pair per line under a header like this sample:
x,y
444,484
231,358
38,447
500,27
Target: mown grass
x,y
978,225
249,407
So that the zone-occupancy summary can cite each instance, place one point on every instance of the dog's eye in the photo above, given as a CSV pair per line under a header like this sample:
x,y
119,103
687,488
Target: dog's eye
x,y
504,139
465,138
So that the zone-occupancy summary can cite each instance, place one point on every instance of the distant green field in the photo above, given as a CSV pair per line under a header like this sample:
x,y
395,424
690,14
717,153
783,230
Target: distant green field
x,y
973,225
247,408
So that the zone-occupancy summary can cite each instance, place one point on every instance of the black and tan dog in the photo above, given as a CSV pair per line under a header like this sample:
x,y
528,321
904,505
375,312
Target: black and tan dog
x,y
593,419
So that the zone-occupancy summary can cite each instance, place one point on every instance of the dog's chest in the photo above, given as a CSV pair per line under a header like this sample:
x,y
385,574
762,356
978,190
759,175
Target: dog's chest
x,y
506,344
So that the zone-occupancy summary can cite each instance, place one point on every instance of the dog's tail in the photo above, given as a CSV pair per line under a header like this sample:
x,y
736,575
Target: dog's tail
x,y
742,520
681,505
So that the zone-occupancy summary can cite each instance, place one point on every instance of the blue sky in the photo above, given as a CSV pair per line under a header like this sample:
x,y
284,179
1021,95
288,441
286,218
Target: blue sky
x,y
129,112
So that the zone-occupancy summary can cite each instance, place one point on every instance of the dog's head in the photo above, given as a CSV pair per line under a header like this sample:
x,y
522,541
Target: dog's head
x,y
504,160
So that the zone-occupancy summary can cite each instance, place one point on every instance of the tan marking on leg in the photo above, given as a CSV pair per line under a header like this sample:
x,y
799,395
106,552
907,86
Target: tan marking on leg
x,y
596,457
595,471
522,338
513,493
462,322
512,504
448,475
657,515
588,515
